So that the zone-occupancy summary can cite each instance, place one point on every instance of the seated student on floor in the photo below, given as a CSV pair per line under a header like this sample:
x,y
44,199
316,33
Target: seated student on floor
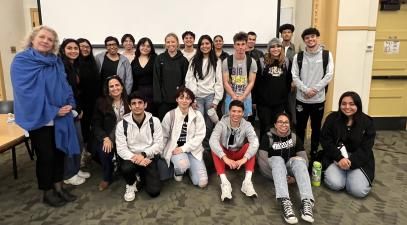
x,y
234,143
183,134
347,138
283,148
138,140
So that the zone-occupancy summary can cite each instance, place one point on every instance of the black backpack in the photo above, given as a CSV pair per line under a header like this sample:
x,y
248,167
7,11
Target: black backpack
x,y
325,60
230,65
162,166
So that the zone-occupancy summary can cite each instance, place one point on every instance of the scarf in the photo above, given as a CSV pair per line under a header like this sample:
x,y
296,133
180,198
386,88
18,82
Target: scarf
x,y
40,89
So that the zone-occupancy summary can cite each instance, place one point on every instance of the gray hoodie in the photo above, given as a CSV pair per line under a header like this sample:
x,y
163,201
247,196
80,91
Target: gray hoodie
x,y
123,70
311,75
220,138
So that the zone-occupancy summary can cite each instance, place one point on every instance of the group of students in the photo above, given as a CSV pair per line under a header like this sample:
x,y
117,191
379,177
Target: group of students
x,y
162,112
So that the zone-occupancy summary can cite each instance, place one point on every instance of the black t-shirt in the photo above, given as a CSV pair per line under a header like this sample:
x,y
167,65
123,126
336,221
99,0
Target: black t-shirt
x,y
142,76
109,68
183,136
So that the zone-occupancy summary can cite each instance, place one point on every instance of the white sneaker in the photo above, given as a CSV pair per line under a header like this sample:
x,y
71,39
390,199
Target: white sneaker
x,y
248,189
83,174
178,178
130,194
226,189
75,180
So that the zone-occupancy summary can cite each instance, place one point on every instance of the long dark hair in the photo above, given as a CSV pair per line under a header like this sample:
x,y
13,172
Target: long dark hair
x,y
142,41
358,102
109,99
90,57
68,65
197,60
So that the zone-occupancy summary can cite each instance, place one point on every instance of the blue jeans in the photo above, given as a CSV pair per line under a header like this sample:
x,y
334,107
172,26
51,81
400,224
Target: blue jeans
x,y
354,181
204,104
197,170
295,166
248,110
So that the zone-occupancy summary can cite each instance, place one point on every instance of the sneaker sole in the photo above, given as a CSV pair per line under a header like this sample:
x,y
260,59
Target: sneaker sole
x,y
309,220
290,222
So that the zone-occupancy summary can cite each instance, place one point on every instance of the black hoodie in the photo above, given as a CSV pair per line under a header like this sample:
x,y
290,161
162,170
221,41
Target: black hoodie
x,y
168,75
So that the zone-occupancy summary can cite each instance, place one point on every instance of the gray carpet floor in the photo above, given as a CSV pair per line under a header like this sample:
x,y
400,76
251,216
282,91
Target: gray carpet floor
x,y
182,203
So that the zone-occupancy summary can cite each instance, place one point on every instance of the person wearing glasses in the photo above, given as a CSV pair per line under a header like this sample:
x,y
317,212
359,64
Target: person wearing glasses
x,y
272,85
286,157
110,110
112,63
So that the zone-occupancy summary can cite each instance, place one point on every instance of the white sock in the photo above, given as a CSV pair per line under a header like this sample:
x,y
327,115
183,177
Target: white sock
x,y
248,177
223,178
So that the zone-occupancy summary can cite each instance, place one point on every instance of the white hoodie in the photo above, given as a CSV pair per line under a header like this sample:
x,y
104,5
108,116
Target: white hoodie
x,y
138,139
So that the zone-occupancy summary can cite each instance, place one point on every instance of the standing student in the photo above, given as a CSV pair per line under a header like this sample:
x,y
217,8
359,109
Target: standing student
x,y
204,79
188,37
347,139
256,54
316,72
109,110
139,139
112,63
169,73
128,42
286,31
90,86
239,75
284,150
142,67
183,133
218,47
234,143
43,107
69,53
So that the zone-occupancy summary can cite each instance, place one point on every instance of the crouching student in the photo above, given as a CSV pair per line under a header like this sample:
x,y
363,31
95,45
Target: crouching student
x,y
284,148
234,143
183,134
138,139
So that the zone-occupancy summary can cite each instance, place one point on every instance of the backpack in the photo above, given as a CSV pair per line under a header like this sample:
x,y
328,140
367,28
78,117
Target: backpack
x,y
230,65
162,166
325,60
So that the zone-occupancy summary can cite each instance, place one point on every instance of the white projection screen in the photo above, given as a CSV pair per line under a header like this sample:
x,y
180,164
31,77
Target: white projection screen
x,y
97,19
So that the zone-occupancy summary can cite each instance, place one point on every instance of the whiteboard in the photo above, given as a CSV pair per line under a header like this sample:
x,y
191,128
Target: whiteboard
x,y
97,19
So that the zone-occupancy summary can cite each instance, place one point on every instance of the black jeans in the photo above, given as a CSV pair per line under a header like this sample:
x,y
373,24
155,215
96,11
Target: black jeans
x,y
50,160
267,116
314,111
150,177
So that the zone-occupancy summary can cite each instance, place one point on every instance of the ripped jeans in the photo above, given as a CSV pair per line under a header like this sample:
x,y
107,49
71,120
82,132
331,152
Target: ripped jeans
x,y
197,170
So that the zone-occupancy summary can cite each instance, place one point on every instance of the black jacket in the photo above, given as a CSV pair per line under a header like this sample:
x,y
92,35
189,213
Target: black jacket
x,y
358,140
168,75
271,90
104,120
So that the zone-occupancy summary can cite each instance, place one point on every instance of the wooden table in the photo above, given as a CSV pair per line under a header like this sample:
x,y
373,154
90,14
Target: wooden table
x,y
12,135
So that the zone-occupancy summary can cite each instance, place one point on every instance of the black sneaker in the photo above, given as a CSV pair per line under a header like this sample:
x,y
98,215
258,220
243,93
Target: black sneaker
x,y
288,212
51,198
306,210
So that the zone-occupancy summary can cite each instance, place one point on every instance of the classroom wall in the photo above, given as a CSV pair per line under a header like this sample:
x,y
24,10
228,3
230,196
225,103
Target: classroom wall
x,y
13,31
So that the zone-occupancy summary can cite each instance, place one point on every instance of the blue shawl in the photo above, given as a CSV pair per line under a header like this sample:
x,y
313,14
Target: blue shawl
x,y
40,89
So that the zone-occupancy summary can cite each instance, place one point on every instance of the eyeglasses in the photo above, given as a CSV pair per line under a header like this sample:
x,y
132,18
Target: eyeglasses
x,y
111,45
279,122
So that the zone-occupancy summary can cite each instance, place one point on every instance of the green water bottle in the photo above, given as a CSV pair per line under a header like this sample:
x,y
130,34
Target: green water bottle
x,y
316,174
